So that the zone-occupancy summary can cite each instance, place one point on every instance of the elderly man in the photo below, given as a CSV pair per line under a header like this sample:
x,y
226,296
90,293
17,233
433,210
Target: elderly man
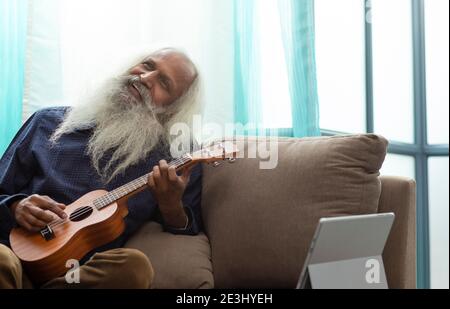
x,y
118,135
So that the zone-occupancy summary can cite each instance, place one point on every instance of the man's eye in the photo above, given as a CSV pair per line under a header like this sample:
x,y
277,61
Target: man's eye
x,y
164,84
148,65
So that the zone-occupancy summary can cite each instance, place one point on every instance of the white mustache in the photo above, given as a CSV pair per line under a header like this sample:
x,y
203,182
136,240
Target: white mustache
x,y
144,92
135,81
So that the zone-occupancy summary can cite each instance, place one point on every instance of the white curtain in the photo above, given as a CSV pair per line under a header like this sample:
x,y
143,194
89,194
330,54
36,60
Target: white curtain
x,y
74,45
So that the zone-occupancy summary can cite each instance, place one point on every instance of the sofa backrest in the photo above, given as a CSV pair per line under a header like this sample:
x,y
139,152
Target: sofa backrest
x,y
260,222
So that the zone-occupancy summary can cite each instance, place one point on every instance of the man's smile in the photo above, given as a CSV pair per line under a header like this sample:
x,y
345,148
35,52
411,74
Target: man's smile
x,y
135,92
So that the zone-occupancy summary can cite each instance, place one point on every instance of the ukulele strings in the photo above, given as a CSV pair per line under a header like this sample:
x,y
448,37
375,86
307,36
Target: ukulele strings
x,y
56,223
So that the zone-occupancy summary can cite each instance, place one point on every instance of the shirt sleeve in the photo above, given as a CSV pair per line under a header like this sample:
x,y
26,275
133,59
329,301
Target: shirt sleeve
x,y
192,205
16,170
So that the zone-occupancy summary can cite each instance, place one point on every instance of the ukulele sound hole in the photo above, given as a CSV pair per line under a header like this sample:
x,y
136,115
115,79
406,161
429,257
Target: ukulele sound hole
x,y
81,213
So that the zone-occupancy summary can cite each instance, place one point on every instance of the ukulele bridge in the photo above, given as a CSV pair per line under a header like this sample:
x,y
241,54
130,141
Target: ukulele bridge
x,y
47,233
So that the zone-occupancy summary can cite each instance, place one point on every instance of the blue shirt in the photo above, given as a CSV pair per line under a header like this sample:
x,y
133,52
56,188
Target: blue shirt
x,y
31,165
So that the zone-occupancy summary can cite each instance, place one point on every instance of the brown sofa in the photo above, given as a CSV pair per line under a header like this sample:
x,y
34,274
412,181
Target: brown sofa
x,y
259,223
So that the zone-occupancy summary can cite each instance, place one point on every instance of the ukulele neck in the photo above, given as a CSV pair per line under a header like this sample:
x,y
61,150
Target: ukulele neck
x,y
135,186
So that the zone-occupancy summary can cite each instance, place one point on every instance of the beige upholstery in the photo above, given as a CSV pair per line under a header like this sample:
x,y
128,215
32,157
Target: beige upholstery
x,y
260,223
182,262
398,195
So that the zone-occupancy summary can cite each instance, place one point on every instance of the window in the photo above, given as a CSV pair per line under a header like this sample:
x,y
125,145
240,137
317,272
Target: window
x,y
341,64
393,69
398,165
439,231
437,55
275,93
436,16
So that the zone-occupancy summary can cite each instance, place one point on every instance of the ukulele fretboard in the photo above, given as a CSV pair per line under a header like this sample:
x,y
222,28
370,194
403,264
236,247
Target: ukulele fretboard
x,y
134,185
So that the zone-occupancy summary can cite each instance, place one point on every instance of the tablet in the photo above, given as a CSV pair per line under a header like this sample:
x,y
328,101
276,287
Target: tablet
x,y
346,252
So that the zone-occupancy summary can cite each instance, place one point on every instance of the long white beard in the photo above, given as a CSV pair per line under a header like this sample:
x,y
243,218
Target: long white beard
x,y
125,127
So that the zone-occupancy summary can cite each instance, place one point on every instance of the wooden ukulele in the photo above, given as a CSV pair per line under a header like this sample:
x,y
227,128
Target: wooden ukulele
x,y
93,220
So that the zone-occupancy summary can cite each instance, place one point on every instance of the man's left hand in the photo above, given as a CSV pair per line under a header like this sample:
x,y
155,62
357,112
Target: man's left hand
x,y
168,188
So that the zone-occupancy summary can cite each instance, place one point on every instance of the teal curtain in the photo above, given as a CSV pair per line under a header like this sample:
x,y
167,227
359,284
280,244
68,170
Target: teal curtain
x,y
246,63
13,25
297,33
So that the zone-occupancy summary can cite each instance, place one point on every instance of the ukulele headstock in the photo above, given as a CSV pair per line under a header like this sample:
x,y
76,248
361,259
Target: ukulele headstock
x,y
215,153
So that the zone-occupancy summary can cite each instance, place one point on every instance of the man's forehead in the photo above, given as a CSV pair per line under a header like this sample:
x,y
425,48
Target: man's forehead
x,y
167,52
177,66
180,60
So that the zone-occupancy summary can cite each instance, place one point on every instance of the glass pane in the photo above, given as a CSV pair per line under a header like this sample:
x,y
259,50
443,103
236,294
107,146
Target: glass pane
x,y
437,51
398,165
43,59
341,64
275,94
438,216
392,69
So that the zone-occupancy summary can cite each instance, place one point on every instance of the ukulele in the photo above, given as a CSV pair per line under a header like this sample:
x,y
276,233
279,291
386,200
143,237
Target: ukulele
x,y
93,220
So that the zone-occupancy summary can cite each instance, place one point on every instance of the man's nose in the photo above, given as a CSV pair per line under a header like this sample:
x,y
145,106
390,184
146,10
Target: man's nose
x,y
148,78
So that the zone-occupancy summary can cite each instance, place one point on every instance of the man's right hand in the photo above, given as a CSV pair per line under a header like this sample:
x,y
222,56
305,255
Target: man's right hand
x,y
35,212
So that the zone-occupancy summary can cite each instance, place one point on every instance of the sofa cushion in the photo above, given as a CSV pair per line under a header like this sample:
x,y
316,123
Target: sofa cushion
x,y
179,262
260,222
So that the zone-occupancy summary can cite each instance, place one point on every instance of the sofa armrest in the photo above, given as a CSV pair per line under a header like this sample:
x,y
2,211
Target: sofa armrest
x,y
398,195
